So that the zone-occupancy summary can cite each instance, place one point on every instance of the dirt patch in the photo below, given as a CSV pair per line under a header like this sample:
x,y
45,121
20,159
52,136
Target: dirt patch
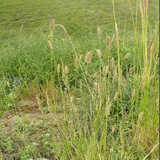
x,y
29,129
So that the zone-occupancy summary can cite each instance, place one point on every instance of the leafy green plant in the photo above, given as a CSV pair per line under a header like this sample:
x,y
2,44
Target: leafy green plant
x,y
28,152
6,144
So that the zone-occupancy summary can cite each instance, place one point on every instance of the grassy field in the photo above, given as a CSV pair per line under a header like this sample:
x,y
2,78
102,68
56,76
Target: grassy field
x,y
79,17
79,80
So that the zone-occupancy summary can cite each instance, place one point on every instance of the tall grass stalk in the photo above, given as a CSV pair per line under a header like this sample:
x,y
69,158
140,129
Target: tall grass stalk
x,y
119,67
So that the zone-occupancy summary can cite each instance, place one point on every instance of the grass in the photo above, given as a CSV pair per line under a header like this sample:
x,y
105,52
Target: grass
x,y
79,18
81,95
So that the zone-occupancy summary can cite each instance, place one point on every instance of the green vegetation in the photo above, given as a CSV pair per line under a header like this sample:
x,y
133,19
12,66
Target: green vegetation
x,y
83,87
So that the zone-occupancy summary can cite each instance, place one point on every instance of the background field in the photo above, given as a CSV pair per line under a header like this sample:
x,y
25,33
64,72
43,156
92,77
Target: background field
x,y
79,17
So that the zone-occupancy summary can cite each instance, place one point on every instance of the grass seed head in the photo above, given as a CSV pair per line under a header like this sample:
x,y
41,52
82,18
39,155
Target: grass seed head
x,y
157,101
71,99
140,116
49,44
99,31
76,62
151,44
99,53
58,68
52,24
8,84
66,70
88,57
133,93
113,38
105,70
112,62
116,30
131,69
108,109
113,129
108,40
127,56
116,96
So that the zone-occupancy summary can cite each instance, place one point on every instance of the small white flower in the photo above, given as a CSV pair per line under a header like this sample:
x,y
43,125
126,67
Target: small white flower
x,y
35,144
47,134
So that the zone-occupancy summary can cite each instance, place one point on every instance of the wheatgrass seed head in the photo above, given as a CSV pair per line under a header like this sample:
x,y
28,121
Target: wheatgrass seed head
x,y
58,68
71,99
140,116
99,31
131,69
133,93
112,62
113,129
157,101
116,96
52,24
105,70
151,44
88,57
127,56
108,108
116,27
108,40
49,44
111,150
113,38
66,70
99,53
8,84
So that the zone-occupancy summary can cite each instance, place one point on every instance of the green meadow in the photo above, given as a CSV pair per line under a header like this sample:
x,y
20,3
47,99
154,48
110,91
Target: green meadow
x,y
79,80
